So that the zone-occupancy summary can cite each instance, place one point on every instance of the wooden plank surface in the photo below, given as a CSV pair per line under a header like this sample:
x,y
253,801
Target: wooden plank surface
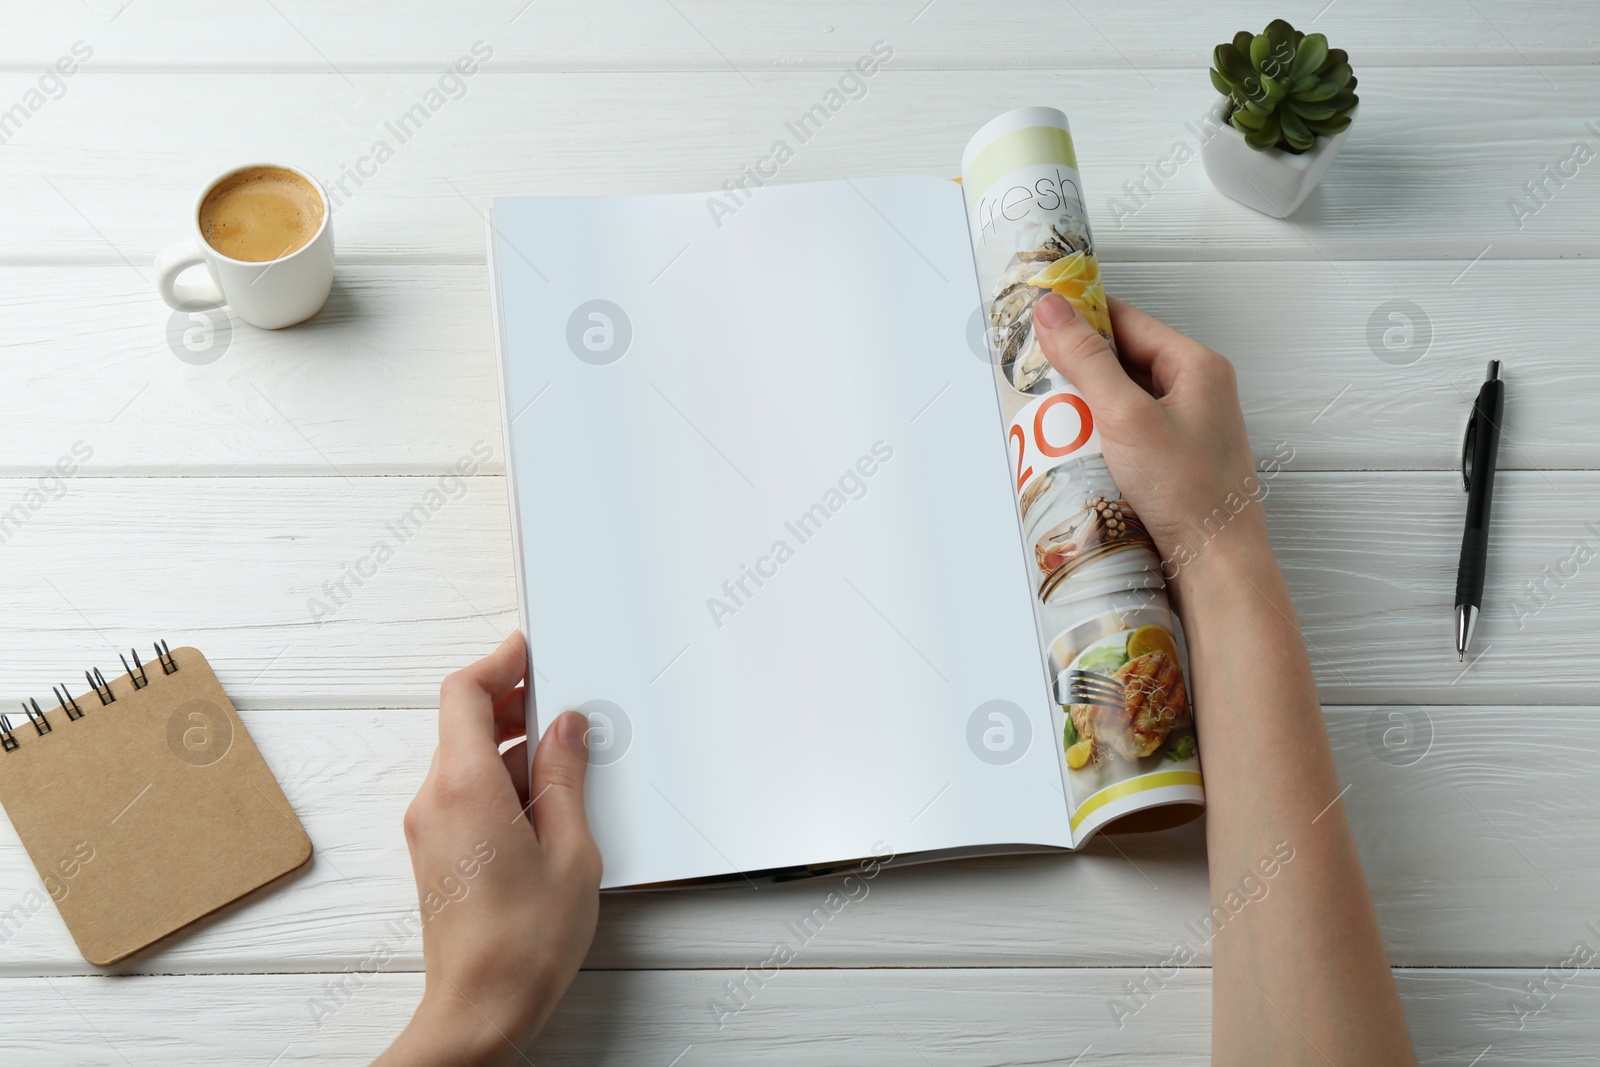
x,y
302,35
1487,862
220,497
86,181
1322,367
253,570
965,1018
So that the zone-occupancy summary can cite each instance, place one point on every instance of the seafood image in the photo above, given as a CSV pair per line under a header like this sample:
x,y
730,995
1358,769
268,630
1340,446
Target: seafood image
x,y
1152,711
1062,260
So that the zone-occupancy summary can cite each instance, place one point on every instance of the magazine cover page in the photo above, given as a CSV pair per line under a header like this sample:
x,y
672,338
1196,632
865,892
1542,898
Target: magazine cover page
x,y
1124,724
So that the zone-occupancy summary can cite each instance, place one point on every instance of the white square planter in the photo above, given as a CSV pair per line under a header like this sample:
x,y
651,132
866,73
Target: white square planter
x,y
1273,182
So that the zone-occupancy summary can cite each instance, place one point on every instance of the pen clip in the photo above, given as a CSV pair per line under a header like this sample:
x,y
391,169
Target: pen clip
x,y
1466,450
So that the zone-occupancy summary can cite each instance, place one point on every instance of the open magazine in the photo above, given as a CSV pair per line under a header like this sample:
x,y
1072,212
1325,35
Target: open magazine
x,y
822,598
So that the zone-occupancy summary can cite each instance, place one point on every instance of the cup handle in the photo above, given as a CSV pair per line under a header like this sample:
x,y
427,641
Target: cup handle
x,y
173,262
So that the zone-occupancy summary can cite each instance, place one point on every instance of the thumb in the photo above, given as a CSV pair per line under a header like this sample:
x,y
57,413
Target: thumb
x,y
1085,357
559,765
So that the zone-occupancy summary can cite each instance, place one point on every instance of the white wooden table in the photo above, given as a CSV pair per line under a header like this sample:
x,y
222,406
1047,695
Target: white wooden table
x,y
220,496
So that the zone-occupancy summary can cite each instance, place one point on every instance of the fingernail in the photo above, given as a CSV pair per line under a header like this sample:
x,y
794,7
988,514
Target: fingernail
x,y
571,729
1053,311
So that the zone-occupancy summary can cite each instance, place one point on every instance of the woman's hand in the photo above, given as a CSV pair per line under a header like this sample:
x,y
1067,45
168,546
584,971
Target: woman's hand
x,y
508,906
1174,439
1170,426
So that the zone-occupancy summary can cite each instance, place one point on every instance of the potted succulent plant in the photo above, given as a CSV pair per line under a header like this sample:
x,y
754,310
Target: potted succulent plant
x,y
1286,107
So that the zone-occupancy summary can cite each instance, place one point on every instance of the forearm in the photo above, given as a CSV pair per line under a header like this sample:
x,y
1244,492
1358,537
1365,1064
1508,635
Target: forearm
x,y
1301,975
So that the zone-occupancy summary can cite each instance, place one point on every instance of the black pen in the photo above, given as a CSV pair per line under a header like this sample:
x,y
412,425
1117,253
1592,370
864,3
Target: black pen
x,y
1478,450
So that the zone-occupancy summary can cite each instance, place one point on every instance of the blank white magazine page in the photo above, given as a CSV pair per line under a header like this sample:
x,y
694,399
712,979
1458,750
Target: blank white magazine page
x,y
767,533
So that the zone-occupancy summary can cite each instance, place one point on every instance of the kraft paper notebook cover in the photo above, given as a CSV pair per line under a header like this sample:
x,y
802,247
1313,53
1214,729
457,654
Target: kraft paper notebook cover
x,y
144,803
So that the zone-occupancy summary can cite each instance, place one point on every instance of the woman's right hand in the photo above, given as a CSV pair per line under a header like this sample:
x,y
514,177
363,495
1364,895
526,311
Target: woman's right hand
x,y
1170,427
1174,438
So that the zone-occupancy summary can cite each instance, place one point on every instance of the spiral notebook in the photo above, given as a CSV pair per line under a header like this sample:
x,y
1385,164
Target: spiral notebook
x,y
144,803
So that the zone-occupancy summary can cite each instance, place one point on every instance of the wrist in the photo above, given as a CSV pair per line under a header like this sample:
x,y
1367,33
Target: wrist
x,y
448,1029
1239,561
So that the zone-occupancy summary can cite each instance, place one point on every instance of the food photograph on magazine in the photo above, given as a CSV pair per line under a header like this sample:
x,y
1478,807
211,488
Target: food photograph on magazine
x,y
1112,643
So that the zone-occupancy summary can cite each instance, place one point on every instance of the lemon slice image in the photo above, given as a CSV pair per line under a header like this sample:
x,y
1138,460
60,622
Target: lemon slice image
x,y
1151,638
1067,268
1092,305
1077,279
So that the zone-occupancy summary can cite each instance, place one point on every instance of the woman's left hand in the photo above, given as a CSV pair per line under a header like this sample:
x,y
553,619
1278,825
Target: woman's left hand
x,y
508,905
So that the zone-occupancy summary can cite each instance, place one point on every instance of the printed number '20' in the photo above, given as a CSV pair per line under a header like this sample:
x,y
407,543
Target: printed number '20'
x,y
1042,443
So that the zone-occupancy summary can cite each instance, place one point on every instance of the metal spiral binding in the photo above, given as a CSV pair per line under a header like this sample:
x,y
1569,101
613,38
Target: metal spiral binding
x,y
36,716
102,689
68,703
139,680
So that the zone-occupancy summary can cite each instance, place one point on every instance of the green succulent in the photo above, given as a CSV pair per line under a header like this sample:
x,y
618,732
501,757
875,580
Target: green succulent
x,y
1284,88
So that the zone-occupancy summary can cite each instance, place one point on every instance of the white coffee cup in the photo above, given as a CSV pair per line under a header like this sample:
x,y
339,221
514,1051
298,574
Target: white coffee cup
x,y
270,294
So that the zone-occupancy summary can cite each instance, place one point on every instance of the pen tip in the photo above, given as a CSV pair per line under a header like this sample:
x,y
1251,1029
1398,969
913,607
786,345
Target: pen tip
x,y
1462,656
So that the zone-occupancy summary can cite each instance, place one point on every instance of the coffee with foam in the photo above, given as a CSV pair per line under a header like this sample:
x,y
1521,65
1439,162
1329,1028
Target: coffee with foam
x,y
261,214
